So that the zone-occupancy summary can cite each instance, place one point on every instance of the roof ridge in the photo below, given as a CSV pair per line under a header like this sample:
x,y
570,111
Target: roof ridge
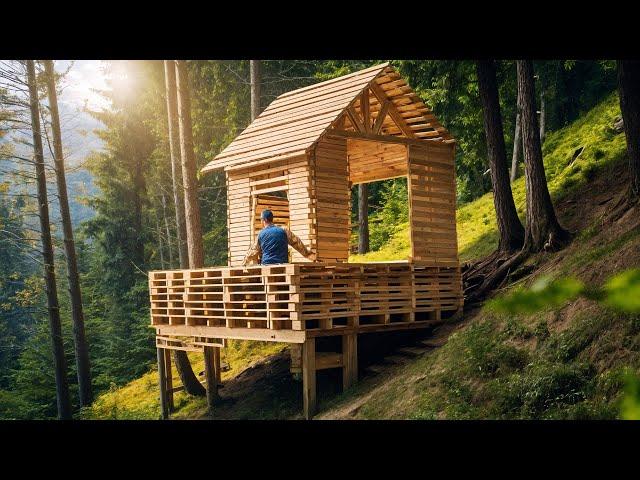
x,y
380,66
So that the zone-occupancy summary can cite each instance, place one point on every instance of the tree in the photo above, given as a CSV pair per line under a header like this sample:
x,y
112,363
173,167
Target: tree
x,y
254,67
363,218
542,117
543,231
189,180
180,358
174,150
509,225
629,92
517,145
60,366
81,351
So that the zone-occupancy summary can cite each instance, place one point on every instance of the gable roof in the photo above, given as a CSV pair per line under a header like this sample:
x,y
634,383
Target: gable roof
x,y
296,120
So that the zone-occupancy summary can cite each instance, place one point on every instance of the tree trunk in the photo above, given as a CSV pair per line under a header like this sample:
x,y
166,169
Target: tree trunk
x,y
542,118
187,213
543,230
509,225
81,350
176,172
189,180
166,228
160,244
254,69
60,366
517,145
363,218
629,92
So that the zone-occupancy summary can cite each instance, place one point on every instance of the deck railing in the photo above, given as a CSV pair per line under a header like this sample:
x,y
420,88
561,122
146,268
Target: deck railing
x,y
305,296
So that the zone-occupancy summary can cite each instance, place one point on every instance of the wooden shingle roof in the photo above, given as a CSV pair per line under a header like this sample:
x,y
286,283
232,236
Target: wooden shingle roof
x,y
296,120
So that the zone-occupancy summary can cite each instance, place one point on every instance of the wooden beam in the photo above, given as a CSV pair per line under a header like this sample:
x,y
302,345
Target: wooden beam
x,y
309,378
377,138
364,109
210,377
349,360
353,116
285,336
381,116
169,377
393,112
162,384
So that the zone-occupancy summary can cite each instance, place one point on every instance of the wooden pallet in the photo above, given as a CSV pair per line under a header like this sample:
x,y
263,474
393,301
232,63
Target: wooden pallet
x,y
310,296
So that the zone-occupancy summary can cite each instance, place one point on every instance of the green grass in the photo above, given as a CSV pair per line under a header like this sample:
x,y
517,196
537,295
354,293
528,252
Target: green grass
x,y
476,221
513,367
566,362
139,399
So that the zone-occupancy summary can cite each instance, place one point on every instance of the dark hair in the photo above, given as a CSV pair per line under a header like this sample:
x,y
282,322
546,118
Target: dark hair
x,y
267,215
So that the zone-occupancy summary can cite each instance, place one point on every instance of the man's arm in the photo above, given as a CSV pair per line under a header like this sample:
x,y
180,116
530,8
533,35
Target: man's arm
x,y
296,243
253,254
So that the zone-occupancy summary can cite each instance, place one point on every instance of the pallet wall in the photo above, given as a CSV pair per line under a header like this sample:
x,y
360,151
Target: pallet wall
x,y
432,201
372,162
332,192
249,189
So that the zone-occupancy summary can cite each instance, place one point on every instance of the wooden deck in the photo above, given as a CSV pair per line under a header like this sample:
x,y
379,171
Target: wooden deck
x,y
291,302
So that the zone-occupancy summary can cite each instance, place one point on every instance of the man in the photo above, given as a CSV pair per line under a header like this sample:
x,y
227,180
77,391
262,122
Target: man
x,y
272,243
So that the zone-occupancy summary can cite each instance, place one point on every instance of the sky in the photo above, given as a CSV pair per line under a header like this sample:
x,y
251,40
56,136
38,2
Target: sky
x,y
77,92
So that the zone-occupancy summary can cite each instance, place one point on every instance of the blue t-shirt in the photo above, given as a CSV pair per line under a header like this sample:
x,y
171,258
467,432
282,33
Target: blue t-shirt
x,y
274,244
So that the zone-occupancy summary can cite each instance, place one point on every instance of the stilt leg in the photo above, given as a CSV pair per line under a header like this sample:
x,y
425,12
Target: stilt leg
x,y
309,377
210,376
295,350
169,378
349,360
217,364
162,383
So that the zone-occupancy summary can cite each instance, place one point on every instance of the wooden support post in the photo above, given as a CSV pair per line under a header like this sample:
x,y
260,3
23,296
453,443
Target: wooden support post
x,y
295,350
217,364
162,384
210,376
169,378
309,377
349,360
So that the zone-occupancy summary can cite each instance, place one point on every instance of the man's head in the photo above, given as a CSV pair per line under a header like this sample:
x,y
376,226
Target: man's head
x,y
267,217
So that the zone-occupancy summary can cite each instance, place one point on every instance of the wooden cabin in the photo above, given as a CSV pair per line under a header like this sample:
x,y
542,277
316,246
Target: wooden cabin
x,y
300,158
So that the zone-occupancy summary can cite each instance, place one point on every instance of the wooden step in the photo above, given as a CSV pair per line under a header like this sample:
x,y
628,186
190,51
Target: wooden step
x,y
376,369
411,351
430,343
395,359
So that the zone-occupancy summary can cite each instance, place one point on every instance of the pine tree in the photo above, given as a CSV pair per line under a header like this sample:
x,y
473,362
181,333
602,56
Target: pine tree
x,y
60,366
543,230
509,225
82,354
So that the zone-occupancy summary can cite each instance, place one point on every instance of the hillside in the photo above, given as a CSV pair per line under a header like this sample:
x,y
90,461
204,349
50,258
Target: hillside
x,y
565,363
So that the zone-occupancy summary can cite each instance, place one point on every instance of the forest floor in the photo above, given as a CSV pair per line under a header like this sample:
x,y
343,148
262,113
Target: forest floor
x,y
568,362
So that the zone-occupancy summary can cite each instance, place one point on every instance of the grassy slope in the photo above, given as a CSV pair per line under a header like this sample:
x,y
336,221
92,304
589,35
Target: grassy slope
x,y
492,355
139,399
477,229
568,362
